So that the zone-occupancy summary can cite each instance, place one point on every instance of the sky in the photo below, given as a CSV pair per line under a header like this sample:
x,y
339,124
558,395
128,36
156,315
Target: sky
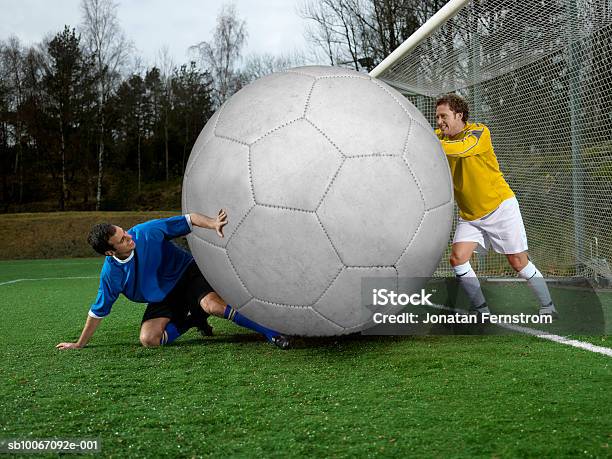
x,y
273,25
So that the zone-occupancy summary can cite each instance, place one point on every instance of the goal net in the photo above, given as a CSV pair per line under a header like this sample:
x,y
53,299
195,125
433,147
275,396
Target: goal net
x,y
539,74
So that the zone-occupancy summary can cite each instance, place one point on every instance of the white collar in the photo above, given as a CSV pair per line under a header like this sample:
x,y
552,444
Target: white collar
x,y
126,260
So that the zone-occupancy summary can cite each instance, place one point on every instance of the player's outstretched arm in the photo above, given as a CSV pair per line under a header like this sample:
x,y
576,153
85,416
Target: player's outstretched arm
x,y
216,224
88,330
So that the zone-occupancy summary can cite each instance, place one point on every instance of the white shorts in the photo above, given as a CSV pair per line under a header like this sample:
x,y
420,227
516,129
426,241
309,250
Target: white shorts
x,y
502,229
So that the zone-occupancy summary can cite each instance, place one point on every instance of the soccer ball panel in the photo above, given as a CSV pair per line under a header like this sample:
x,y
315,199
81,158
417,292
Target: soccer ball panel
x,y
217,269
264,105
348,301
293,166
375,123
219,179
425,251
372,210
290,320
428,161
283,256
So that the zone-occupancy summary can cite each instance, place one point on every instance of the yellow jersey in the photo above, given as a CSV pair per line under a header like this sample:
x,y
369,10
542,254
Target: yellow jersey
x,y
478,182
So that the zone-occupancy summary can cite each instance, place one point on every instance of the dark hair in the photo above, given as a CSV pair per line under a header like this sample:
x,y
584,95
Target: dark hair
x,y
99,236
456,103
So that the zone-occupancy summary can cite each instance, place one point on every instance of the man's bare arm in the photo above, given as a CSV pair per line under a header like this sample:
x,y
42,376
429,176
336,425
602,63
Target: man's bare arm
x,y
210,223
88,330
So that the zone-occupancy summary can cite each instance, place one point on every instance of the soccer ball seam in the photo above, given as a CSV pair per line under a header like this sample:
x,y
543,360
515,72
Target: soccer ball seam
x,y
274,206
416,181
438,206
293,306
221,109
428,129
369,267
328,138
197,154
246,214
251,184
329,185
308,98
229,258
281,126
231,139
329,239
354,77
416,231
208,242
231,265
377,83
194,234
295,72
375,155
328,286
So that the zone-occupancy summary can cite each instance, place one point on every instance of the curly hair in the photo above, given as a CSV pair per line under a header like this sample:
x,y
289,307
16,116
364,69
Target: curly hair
x,y
99,236
456,103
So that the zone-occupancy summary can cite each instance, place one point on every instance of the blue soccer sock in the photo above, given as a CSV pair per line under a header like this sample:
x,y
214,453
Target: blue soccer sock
x,y
171,333
233,315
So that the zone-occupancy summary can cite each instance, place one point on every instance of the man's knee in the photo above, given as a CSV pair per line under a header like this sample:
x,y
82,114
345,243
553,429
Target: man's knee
x,y
518,260
457,259
213,304
461,252
150,339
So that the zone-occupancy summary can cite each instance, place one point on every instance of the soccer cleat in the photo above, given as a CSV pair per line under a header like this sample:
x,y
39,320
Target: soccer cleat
x,y
280,341
482,309
549,310
205,329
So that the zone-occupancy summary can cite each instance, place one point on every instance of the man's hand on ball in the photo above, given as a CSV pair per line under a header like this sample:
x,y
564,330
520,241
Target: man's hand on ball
x,y
64,346
220,222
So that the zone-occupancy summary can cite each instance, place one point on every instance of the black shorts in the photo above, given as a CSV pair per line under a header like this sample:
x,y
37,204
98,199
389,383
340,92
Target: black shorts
x,y
183,298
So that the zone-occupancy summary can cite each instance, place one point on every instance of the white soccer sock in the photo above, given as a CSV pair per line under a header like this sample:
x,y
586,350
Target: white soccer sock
x,y
536,282
470,284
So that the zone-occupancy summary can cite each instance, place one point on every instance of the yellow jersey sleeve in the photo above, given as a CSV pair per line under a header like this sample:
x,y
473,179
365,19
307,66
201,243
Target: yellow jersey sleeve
x,y
478,182
473,142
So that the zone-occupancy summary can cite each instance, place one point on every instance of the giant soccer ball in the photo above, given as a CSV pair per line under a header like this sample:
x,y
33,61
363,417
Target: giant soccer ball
x,y
328,177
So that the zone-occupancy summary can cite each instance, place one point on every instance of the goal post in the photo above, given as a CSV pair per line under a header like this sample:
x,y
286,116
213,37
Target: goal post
x,y
539,74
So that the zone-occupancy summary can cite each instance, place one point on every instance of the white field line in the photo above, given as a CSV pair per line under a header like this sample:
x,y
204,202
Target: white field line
x,y
14,281
25,262
542,334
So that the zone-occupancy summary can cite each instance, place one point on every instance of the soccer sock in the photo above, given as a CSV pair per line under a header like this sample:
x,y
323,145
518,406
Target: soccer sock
x,y
470,284
171,333
536,282
233,315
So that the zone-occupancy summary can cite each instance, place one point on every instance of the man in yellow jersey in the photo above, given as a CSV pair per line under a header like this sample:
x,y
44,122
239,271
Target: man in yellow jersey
x,y
489,214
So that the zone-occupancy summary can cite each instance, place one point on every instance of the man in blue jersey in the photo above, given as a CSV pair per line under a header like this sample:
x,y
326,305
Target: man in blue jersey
x,y
144,265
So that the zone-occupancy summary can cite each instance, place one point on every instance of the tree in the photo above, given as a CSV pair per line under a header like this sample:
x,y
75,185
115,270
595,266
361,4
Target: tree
x,y
192,104
166,68
13,81
258,65
361,33
222,55
69,82
133,107
106,41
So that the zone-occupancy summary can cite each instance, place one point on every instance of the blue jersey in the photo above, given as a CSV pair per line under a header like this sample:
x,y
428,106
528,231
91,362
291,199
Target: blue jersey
x,y
151,271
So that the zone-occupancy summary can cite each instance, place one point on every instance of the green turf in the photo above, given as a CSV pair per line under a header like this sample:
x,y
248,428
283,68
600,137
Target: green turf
x,y
235,395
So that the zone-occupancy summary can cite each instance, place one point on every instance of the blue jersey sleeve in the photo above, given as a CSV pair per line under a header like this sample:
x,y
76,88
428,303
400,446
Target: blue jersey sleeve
x,y
171,227
107,295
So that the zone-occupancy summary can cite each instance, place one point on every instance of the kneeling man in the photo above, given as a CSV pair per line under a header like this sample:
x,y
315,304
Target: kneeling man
x,y
144,265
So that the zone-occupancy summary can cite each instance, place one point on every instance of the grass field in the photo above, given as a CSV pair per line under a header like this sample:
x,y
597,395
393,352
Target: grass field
x,y
233,395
